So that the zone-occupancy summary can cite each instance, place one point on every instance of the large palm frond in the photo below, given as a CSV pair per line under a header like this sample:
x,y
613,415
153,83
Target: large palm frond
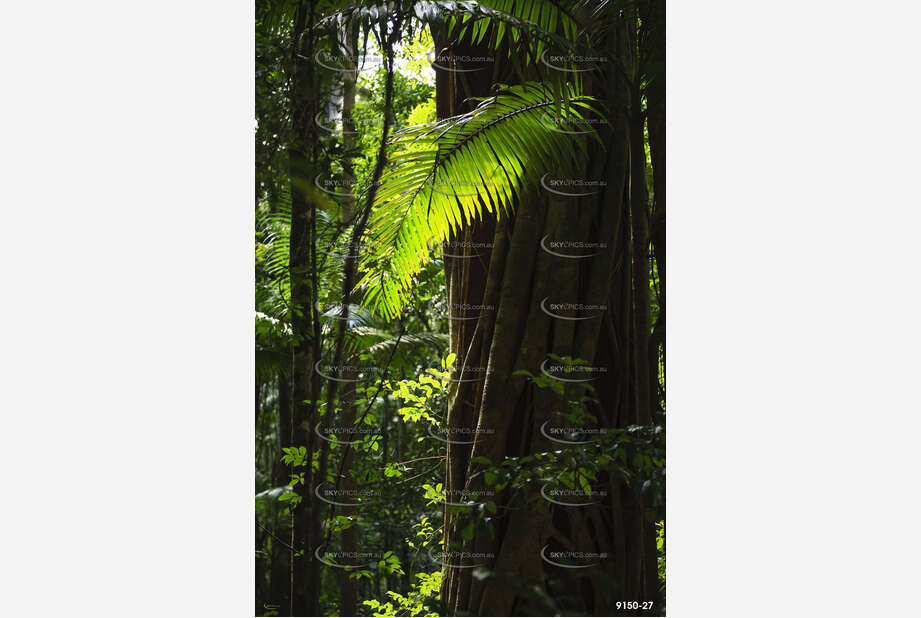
x,y
528,26
375,340
531,25
441,176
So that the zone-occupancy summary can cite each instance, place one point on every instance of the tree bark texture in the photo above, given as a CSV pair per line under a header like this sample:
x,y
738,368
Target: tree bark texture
x,y
503,410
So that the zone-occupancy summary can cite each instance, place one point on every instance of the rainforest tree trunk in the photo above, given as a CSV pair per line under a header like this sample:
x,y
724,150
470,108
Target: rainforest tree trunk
x,y
499,327
653,28
302,162
348,587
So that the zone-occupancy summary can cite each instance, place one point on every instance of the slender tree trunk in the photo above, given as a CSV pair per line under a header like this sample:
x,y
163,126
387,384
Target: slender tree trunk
x,y
639,223
349,42
302,161
654,26
348,588
349,269
280,578
333,400
280,474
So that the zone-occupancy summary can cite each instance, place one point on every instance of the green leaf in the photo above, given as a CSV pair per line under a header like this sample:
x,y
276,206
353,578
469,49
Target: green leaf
x,y
444,173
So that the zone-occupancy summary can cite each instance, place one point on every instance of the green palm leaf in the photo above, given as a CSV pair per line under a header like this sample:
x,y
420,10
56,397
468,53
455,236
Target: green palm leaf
x,y
443,175
531,25
528,26
374,340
